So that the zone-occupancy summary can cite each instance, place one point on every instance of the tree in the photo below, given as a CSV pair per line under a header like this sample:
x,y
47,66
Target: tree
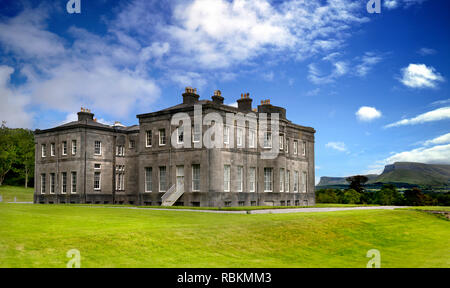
x,y
351,196
388,195
8,151
25,153
414,197
326,196
357,182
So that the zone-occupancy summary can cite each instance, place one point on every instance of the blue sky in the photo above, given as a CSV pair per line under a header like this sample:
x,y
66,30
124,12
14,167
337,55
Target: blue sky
x,y
374,86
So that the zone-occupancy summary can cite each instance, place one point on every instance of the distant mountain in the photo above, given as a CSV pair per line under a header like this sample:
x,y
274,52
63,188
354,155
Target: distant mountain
x,y
415,173
403,173
328,181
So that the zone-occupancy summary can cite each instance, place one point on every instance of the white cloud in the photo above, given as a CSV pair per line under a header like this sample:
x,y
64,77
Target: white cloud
x,y
316,76
102,73
440,102
426,51
13,102
393,4
431,116
439,154
217,34
443,139
339,146
369,60
420,76
367,114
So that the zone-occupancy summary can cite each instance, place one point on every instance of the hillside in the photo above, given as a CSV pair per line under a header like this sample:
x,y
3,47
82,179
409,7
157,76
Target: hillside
x,y
415,173
327,181
403,172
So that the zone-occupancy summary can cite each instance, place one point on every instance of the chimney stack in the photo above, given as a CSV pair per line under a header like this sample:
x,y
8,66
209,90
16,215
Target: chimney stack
x,y
85,115
217,98
245,103
190,95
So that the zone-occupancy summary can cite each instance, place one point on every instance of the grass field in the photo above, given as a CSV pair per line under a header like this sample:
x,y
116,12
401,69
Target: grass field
x,y
22,195
41,235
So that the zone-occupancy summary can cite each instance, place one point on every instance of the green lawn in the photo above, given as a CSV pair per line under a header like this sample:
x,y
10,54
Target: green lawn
x,y
40,236
22,195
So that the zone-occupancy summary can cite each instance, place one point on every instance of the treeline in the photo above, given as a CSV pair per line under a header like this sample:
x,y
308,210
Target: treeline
x,y
387,195
16,156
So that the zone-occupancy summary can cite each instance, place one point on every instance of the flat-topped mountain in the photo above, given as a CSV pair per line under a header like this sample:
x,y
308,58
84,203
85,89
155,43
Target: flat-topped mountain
x,y
403,172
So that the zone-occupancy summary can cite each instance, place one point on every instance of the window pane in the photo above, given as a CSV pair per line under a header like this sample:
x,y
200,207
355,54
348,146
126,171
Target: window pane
x,y
195,177
162,178
148,179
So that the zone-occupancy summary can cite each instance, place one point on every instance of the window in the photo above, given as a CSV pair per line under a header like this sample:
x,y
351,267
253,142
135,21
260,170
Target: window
x,y
74,147
42,183
148,138
52,149
240,136
251,139
120,150
196,177
63,182
304,181
162,179
162,137
282,179
98,148
241,203
120,178
295,147
281,141
74,183
267,140
97,180
227,203
226,135
97,166
180,133
132,144
148,179
287,145
180,178
288,180
64,148
251,179
44,150
304,148
295,181
240,178
226,178
197,133
268,178
52,183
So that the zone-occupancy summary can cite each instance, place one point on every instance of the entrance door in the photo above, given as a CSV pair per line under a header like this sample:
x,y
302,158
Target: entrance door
x,y
180,178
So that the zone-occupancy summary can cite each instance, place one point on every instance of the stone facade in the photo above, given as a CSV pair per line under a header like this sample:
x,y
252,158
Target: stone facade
x,y
131,165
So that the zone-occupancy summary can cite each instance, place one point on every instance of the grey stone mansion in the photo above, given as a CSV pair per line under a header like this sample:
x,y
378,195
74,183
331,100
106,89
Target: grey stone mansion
x,y
85,161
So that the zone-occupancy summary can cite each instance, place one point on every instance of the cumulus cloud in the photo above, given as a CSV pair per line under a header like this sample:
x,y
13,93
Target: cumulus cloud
x,y
439,154
99,72
339,146
367,114
420,76
217,34
13,102
431,116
